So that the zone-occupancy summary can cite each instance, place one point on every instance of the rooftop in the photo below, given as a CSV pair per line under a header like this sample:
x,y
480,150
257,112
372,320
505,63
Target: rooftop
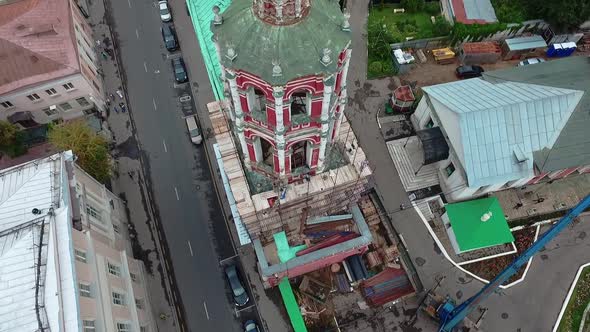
x,y
34,226
478,224
568,73
473,11
297,48
525,43
496,128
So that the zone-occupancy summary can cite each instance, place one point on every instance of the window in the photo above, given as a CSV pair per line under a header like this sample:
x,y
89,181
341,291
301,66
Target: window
x,y
429,124
123,327
50,111
118,299
143,329
93,212
33,97
51,91
133,277
300,102
80,255
116,228
139,303
6,104
89,325
82,101
68,86
65,106
114,269
95,85
450,169
256,100
85,290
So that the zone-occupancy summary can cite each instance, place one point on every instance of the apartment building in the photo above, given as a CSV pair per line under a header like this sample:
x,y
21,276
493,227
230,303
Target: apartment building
x,y
48,64
64,257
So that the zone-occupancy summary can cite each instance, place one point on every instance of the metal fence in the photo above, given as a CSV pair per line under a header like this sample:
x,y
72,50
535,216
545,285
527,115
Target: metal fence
x,y
428,43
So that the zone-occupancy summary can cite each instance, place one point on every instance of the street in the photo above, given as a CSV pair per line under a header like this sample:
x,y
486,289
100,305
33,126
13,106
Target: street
x,y
178,171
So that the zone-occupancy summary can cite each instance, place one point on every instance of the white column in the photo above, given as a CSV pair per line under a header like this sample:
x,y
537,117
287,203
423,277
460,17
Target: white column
x,y
239,117
278,93
325,119
343,93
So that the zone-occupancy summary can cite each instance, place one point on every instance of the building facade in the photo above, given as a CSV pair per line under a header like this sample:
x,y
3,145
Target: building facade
x,y
81,275
284,67
49,66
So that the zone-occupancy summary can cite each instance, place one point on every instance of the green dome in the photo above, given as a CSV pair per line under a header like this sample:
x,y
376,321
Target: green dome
x,y
298,48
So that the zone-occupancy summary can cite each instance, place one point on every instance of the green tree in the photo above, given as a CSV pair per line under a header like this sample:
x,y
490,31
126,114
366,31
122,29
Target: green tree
x,y
91,150
7,133
441,27
563,14
413,6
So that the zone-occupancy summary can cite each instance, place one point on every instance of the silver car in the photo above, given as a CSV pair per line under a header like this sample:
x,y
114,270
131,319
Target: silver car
x,y
530,61
193,129
165,13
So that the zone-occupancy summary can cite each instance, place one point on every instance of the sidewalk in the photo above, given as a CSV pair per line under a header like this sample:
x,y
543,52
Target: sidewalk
x,y
129,183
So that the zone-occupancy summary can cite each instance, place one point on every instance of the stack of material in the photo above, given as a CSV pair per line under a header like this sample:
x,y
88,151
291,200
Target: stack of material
x,y
390,254
480,52
342,283
369,211
444,56
328,242
387,286
315,289
374,259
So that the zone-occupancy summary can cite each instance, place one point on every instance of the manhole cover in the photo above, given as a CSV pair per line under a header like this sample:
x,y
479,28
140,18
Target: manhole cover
x,y
185,98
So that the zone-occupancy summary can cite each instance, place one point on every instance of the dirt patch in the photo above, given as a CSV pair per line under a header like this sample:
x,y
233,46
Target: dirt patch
x,y
490,268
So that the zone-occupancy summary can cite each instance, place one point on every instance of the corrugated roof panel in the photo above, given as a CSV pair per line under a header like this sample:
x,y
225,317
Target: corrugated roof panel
x,y
525,43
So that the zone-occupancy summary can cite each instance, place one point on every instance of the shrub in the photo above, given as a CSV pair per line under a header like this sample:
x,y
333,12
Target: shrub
x,y
413,6
376,67
441,27
432,8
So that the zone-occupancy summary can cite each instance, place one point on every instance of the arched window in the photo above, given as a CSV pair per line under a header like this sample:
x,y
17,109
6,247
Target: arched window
x,y
256,99
267,152
299,155
300,103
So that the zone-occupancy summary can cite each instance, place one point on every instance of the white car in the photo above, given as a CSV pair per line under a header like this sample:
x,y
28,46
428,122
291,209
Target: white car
x,y
193,130
165,13
531,61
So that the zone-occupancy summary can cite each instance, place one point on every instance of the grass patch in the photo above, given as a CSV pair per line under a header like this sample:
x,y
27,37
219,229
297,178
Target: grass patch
x,y
416,25
572,317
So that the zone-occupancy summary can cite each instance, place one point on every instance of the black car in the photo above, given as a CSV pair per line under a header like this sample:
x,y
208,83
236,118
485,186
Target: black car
x,y
469,71
179,70
237,288
169,36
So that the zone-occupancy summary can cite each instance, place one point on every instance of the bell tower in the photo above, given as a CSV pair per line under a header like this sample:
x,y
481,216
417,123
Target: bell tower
x,y
284,65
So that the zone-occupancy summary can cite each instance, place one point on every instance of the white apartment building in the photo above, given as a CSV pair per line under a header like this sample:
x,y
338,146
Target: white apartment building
x,y
48,65
64,260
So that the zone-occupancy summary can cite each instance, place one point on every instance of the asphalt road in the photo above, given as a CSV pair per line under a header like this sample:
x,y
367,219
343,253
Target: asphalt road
x,y
180,177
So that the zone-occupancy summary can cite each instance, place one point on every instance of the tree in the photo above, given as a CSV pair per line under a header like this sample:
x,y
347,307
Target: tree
x,y
563,14
413,6
7,133
91,150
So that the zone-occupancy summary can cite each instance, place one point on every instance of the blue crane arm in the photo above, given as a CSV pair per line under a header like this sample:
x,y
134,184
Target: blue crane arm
x,y
454,317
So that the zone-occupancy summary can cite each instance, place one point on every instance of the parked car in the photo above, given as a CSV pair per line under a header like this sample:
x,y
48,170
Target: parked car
x,y
179,70
469,71
251,326
165,13
169,36
530,61
193,130
238,291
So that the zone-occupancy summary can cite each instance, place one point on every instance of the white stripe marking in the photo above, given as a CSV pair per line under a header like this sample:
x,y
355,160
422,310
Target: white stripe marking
x,y
137,33
176,191
154,102
145,66
206,312
165,148
129,2
190,248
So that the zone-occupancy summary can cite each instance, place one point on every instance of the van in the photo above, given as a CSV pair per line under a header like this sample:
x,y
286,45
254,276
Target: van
x,y
193,130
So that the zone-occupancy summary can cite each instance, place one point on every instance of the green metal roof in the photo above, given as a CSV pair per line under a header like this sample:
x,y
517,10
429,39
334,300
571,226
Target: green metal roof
x,y
572,147
292,306
201,16
297,47
473,233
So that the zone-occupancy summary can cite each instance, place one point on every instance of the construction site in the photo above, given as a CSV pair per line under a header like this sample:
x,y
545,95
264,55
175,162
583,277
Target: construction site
x,y
320,238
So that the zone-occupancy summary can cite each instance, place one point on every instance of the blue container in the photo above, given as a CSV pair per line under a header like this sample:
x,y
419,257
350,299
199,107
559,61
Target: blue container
x,y
552,51
569,48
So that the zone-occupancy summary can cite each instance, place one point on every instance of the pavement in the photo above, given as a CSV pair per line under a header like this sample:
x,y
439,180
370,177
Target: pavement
x,y
532,305
181,233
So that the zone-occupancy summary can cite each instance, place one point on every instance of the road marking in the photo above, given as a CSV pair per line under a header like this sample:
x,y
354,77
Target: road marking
x,y
190,248
129,2
246,308
154,102
176,191
137,33
226,259
145,66
165,148
206,312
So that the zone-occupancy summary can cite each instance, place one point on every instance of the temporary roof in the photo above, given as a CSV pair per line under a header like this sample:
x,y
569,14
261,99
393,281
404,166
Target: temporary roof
x,y
20,116
297,48
488,124
201,16
572,147
525,43
479,224
434,145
